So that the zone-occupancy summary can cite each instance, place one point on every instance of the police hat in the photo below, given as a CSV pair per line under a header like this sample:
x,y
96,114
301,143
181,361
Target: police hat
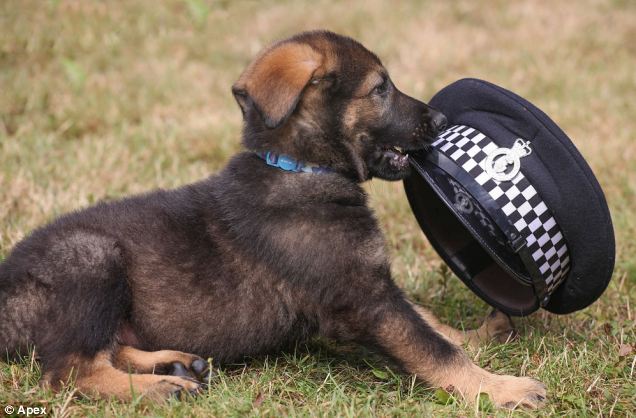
x,y
511,205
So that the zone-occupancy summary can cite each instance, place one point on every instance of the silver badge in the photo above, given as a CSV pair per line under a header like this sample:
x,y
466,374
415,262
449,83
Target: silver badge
x,y
498,161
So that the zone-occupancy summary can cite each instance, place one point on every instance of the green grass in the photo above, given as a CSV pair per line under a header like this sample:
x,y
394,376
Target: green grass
x,y
103,99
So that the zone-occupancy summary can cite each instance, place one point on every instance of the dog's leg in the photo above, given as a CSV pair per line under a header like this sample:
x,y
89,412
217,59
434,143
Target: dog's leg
x,y
386,320
76,299
98,377
405,336
170,362
496,327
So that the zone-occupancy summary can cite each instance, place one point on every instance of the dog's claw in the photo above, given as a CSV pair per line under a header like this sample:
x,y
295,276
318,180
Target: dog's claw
x,y
181,393
207,377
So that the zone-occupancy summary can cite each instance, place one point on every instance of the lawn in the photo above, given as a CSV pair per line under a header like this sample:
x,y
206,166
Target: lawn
x,y
104,99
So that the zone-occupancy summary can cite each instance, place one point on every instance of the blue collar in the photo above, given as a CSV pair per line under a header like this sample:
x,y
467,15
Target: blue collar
x,y
287,163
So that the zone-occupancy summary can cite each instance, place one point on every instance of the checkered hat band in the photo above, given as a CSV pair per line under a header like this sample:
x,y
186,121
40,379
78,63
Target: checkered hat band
x,y
517,198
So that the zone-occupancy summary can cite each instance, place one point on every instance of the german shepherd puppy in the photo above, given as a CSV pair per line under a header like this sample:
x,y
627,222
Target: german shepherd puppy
x,y
277,247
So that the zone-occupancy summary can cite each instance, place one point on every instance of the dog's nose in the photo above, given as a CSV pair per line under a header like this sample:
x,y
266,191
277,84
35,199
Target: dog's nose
x,y
439,121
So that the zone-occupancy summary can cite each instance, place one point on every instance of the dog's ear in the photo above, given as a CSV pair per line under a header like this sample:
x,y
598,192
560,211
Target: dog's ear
x,y
274,81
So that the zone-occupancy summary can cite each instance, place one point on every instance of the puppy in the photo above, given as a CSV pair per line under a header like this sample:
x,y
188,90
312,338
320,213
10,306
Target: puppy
x,y
278,247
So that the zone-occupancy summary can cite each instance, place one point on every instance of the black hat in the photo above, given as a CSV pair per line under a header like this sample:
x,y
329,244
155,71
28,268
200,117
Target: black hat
x,y
511,205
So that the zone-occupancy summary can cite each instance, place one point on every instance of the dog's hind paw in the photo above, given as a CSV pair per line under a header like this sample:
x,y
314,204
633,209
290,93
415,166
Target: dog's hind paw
x,y
198,369
171,387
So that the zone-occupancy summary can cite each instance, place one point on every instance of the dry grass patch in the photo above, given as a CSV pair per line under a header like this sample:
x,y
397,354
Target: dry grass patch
x,y
103,99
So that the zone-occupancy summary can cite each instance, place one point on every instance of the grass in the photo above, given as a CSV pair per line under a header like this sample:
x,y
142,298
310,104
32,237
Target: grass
x,y
104,99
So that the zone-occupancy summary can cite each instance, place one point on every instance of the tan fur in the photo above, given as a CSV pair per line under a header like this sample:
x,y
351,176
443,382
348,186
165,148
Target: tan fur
x,y
98,377
276,78
358,111
363,110
372,79
496,327
461,376
131,359
469,380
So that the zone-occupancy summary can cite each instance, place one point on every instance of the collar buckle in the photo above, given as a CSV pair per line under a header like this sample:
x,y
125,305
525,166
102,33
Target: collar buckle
x,y
287,163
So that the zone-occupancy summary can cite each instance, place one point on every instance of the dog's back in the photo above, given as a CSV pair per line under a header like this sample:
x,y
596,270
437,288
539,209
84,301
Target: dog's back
x,y
73,274
233,246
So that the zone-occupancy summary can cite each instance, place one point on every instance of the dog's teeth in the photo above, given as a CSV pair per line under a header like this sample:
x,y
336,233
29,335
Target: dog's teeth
x,y
397,150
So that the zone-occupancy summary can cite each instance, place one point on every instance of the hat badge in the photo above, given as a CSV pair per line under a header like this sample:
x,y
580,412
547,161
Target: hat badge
x,y
497,163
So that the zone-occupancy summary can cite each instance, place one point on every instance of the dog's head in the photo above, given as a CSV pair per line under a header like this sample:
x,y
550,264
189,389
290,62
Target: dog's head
x,y
325,99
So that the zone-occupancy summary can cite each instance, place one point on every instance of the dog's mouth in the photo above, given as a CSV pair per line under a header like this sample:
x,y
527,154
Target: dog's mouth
x,y
398,157
391,162
395,156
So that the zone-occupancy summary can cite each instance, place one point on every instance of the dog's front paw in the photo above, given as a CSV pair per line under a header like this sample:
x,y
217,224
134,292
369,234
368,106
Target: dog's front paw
x,y
512,392
496,327
504,391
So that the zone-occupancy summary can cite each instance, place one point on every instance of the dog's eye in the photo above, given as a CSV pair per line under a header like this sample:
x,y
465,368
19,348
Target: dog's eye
x,y
382,87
